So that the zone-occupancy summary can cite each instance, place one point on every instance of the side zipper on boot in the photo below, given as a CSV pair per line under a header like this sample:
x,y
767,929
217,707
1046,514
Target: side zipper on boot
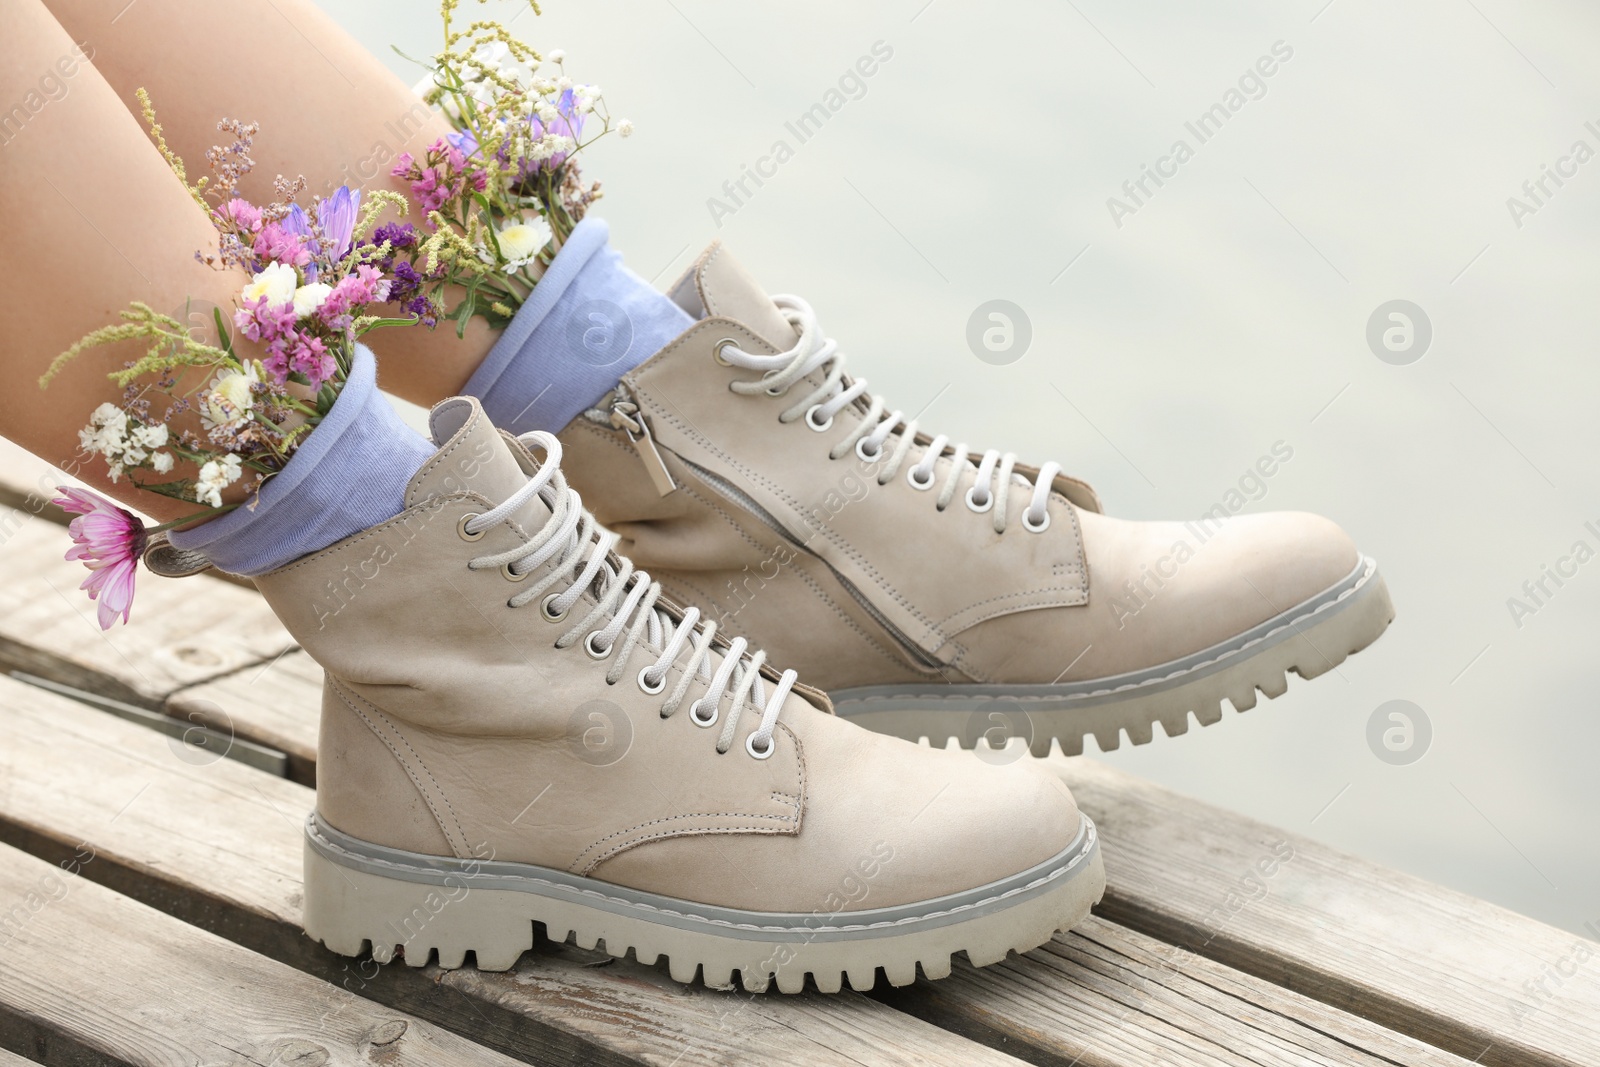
x,y
624,416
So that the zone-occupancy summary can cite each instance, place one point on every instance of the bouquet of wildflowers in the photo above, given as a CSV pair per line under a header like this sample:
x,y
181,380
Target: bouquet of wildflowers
x,y
500,194
199,416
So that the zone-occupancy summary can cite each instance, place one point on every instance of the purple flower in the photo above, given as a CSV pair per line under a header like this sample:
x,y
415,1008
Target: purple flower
x,y
337,216
336,219
398,234
109,541
464,141
568,123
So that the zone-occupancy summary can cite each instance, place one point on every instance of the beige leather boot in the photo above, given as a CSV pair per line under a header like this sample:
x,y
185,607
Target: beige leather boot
x,y
517,730
935,591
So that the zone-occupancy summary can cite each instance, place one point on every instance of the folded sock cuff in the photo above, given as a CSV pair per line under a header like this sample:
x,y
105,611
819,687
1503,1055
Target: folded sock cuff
x,y
589,321
349,473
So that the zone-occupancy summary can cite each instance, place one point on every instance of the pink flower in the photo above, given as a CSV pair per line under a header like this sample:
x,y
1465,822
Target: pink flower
x,y
110,541
243,214
260,322
276,244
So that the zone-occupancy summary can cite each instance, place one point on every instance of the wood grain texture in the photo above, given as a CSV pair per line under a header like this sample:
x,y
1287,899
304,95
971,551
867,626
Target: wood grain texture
x,y
218,845
1411,955
92,977
1417,958
11,1059
276,704
183,631
1104,995
227,839
1440,966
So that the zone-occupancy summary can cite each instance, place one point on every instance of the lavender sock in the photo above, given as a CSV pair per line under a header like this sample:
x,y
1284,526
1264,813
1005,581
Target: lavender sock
x,y
589,321
351,473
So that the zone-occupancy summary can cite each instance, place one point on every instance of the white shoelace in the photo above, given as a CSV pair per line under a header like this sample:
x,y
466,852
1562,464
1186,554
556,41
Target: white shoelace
x,y
625,600
994,471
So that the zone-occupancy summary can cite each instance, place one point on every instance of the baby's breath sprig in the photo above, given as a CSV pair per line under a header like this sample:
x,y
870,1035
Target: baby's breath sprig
x,y
503,191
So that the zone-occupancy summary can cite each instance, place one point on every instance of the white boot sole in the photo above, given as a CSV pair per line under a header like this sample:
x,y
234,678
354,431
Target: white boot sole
x,y
1308,639
361,897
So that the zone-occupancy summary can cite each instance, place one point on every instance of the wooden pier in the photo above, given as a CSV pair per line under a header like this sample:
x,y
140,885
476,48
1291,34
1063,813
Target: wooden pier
x,y
150,904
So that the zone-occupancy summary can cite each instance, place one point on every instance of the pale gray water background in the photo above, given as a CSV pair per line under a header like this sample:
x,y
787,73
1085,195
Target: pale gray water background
x,y
1227,314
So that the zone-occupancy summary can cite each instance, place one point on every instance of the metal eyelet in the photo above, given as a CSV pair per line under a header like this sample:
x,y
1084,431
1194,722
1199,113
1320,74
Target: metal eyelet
x,y
987,503
511,575
544,608
911,477
864,455
716,353
750,747
820,427
694,714
466,534
645,685
1028,525
595,653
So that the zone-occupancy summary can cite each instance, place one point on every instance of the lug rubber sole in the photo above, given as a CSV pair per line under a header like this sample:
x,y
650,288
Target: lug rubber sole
x,y
1309,639
361,897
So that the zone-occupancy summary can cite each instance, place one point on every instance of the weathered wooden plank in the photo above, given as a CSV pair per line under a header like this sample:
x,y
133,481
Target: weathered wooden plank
x,y
1411,955
92,977
1135,999
183,631
274,704
1456,972
11,1059
218,845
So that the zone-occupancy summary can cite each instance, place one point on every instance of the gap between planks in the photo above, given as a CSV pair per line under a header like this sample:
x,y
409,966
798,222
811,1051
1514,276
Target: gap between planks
x,y
219,845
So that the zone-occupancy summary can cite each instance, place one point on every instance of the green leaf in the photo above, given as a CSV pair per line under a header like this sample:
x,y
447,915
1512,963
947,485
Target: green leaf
x,y
224,340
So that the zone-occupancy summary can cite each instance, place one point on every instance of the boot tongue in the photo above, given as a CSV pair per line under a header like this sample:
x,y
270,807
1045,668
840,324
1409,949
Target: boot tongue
x,y
472,456
717,285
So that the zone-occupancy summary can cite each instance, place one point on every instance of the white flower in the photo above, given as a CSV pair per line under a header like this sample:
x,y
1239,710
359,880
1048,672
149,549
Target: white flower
x,y
625,127
521,241
109,414
276,282
226,404
162,462
563,83
216,476
547,113
556,55
153,436
106,432
309,298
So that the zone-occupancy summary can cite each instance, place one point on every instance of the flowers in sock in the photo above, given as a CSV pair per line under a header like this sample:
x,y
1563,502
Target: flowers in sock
x,y
500,194
202,416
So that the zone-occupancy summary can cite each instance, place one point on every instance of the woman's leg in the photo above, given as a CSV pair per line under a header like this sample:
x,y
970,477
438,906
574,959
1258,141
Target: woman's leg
x,y
328,110
92,218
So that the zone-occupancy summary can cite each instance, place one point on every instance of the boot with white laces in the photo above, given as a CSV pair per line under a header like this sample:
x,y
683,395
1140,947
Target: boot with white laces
x,y
518,728
933,590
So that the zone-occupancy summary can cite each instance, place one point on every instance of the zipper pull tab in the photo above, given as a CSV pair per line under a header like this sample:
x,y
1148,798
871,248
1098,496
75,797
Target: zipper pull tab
x,y
627,417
